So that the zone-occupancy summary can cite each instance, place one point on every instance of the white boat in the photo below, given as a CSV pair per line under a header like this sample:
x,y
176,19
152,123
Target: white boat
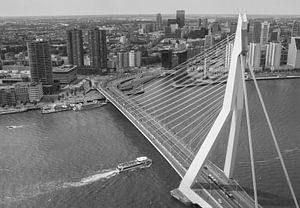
x,y
140,162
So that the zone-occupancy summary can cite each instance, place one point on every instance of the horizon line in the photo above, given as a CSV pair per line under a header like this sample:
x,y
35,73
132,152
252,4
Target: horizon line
x,y
135,14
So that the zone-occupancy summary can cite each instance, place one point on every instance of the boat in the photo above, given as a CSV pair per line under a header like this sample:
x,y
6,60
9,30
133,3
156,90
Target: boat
x,y
55,108
13,127
88,105
140,162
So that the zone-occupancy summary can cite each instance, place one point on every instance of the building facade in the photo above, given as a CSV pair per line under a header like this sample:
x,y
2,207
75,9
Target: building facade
x,y
40,62
98,49
254,55
75,47
273,55
159,21
264,35
180,18
294,53
296,29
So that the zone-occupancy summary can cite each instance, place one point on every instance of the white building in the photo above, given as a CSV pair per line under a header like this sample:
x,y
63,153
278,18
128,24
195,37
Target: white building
x,y
254,55
273,55
294,53
131,59
264,35
35,92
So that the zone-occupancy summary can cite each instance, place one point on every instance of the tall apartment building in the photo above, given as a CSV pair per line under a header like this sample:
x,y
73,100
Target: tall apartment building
x,y
254,55
180,18
254,32
296,29
209,41
273,55
159,21
131,59
40,62
294,53
98,49
75,47
264,35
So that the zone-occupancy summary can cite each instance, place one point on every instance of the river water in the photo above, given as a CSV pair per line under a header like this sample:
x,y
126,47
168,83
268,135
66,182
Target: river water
x,y
68,159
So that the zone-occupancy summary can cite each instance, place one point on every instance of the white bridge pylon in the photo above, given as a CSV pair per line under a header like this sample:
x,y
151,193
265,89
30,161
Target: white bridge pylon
x,y
232,107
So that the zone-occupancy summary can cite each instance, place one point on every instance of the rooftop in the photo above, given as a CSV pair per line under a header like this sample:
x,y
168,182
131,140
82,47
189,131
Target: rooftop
x,y
64,69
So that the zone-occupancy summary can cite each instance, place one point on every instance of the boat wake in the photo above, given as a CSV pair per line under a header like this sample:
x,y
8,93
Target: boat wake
x,y
48,187
101,175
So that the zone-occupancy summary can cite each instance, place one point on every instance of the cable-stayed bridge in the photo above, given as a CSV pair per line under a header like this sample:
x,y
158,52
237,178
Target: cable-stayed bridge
x,y
183,113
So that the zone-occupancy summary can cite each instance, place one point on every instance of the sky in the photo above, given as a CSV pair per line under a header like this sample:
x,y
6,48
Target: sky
x,y
102,7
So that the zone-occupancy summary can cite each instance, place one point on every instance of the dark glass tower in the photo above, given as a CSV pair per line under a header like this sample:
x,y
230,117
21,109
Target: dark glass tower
x,y
98,49
40,62
75,47
180,17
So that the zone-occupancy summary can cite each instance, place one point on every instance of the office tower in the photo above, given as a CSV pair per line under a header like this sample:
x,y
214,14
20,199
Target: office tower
x,y
275,35
214,28
182,56
75,47
273,55
209,41
166,58
138,58
159,21
296,29
40,62
131,59
254,32
97,49
232,28
254,54
125,59
205,23
171,22
180,17
264,36
199,23
168,32
294,53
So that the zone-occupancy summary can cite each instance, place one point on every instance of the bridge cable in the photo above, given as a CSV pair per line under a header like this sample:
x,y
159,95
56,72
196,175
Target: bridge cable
x,y
242,58
274,138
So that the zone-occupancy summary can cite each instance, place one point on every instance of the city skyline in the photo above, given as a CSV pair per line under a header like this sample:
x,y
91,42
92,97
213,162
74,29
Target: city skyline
x,y
95,7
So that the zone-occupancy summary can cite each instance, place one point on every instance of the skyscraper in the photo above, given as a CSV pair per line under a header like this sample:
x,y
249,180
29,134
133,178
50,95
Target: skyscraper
x,y
232,28
254,32
180,17
97,49
254,54
296,29
159,21
273,55
40,62
75,47
209,41
264,36
294,53
205,23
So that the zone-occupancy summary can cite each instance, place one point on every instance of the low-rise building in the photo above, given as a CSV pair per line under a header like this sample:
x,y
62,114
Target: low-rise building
x,y
7,95
65,74
35,92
